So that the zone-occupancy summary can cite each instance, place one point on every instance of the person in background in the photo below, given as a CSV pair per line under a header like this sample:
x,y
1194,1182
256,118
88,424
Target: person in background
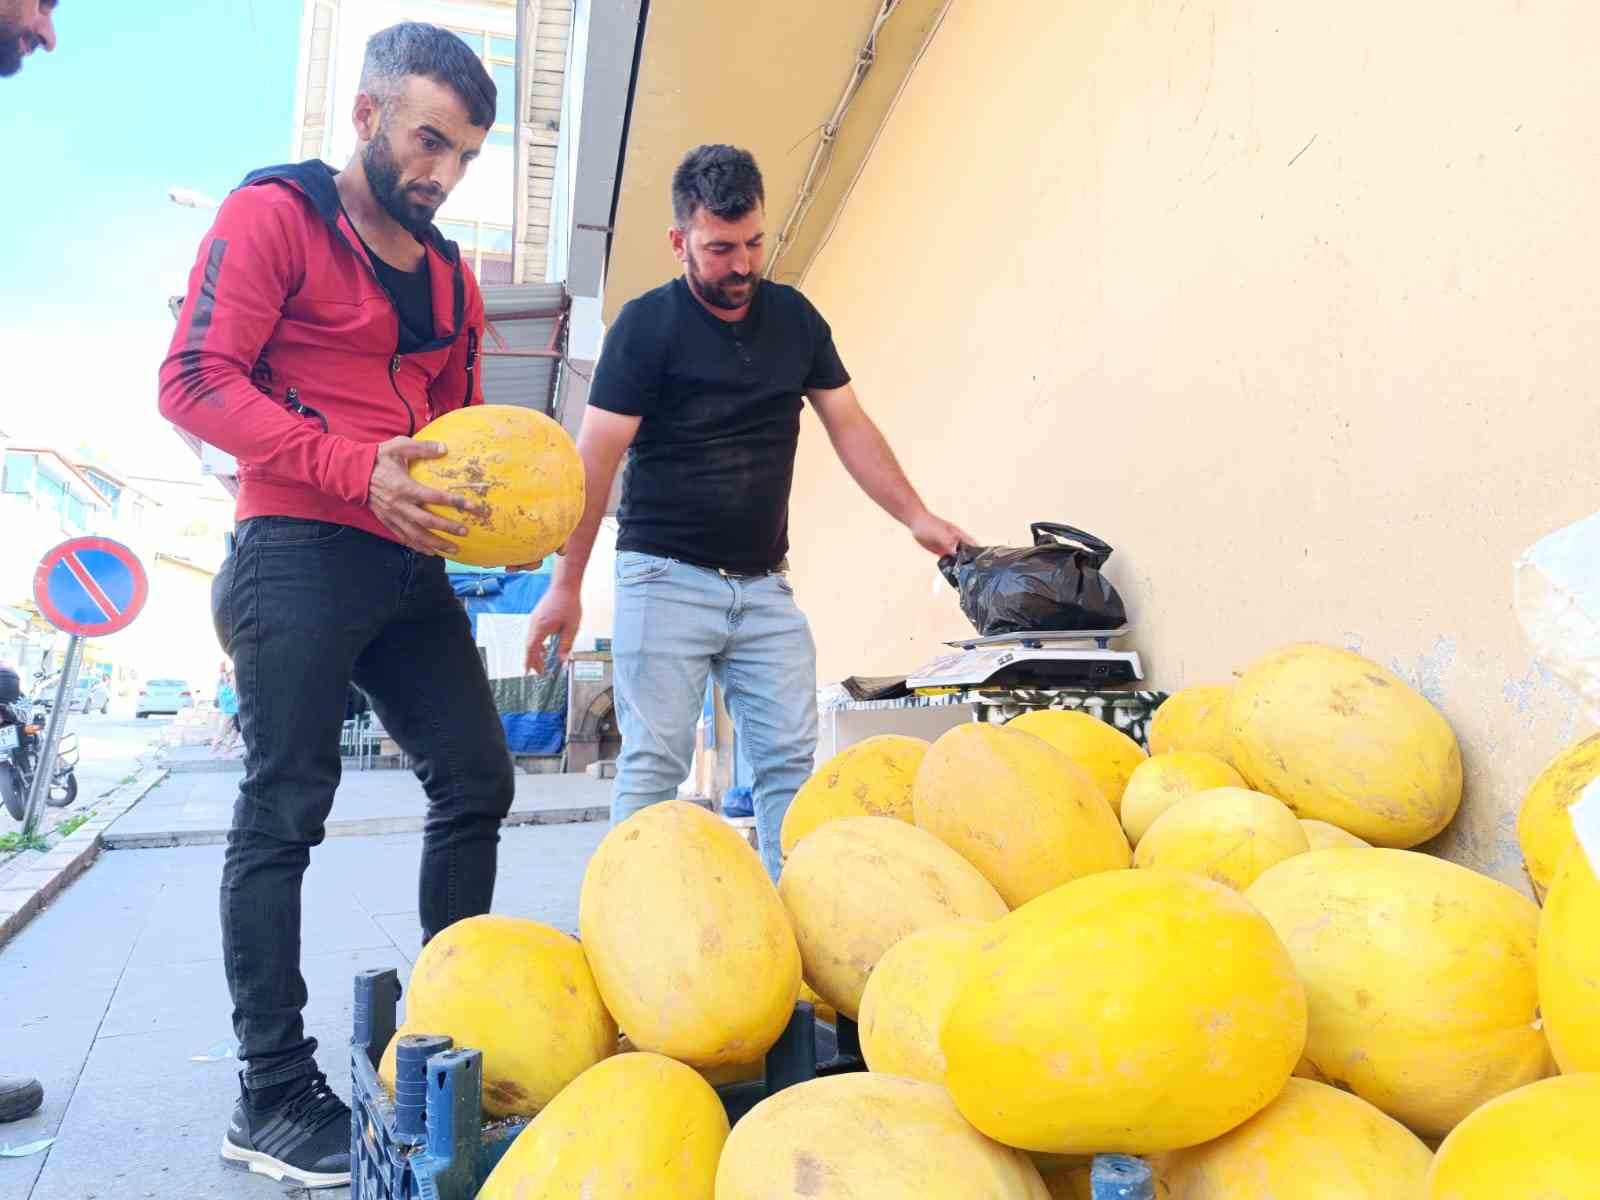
x,y
702,383
25,26
228,708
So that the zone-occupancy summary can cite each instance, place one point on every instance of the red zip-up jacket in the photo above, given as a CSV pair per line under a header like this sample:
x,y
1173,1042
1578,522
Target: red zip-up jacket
x,y
287,351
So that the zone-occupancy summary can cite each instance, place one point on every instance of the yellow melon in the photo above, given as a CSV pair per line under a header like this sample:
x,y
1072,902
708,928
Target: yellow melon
x,y
1133,1011
1164,779
1421,978
1543,826
1324,836
1108,754
1194,719
1228,834
858,885
520,992
908,994
637,1125
688,939
519,463
1312,1143
1018,809
848,1137
869,779
1338,738
1569,964
1536,1143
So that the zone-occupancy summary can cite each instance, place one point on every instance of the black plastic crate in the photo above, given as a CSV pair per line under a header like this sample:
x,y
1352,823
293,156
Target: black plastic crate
x,y
431,1143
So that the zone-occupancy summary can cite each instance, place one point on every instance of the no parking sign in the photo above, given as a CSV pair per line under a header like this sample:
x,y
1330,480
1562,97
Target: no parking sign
x,y
90,586
87,587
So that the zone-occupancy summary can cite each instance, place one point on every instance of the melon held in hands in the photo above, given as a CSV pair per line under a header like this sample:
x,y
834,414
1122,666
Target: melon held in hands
x,y
519,463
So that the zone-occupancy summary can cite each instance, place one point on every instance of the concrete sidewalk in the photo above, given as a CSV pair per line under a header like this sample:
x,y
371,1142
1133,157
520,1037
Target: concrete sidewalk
x,y
191,809
114,991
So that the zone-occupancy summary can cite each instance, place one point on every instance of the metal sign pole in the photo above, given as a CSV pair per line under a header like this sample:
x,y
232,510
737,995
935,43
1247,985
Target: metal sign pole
x,y
44,767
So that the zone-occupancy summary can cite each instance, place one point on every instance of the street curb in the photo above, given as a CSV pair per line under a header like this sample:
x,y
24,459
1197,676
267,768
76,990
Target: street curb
x,y
235,766
26,892
364,827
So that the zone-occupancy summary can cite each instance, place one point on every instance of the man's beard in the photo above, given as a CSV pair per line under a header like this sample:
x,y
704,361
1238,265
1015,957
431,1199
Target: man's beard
x,y
11,55
718,295
383,176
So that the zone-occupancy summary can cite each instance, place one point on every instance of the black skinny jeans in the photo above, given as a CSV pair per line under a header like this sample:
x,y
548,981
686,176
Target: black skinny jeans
x,y
304,608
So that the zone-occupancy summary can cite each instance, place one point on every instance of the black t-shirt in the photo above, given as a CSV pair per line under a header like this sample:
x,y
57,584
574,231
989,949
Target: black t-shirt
x,y
413,299
710,470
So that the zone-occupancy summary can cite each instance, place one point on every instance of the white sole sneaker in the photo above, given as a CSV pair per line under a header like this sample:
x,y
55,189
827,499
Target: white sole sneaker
x,y
264,1164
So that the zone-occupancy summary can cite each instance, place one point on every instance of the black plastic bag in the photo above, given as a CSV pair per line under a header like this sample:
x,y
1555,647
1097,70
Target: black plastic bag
x,y
1055,584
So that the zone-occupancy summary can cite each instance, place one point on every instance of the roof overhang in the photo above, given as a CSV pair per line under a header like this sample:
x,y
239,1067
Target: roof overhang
x,y
767,75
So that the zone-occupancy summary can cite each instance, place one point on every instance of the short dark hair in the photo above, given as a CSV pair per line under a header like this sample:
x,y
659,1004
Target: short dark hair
x,y
724,180
413,48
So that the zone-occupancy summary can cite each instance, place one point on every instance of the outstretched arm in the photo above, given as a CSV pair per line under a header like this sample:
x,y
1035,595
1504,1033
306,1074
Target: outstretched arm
x,y
865,453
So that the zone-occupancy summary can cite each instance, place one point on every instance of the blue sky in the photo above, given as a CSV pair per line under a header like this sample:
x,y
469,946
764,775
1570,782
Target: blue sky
x,y
140,96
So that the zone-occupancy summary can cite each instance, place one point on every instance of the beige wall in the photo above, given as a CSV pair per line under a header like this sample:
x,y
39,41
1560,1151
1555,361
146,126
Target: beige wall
x,y
1294,303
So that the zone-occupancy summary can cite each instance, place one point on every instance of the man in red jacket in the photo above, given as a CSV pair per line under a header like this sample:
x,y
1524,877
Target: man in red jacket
x,y
326,322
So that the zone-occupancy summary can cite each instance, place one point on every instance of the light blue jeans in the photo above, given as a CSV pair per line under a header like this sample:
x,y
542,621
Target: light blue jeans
x,y
675,625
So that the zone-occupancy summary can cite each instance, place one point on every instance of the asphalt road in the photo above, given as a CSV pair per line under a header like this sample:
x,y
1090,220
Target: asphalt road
x,y
110,749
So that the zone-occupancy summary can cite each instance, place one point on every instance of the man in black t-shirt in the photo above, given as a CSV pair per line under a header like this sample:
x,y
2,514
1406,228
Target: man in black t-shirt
x,y
702,382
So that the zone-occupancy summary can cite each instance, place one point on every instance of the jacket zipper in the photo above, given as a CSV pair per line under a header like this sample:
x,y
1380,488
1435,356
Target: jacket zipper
x,y
394,382
292,399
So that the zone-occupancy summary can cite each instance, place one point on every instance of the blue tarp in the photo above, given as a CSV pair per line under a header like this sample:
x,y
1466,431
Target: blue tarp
x,y
533,709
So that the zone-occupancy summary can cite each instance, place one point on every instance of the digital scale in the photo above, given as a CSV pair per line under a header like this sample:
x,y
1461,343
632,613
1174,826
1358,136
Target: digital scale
x,y
1039,660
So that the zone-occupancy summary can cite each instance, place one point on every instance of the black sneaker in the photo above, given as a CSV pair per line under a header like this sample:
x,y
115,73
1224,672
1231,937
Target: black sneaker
x,y
19,1097
304,1138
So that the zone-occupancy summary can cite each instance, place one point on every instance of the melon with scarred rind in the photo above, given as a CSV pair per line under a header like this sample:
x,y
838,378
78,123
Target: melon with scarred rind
x,y
521,993
1194,719
1341,739
872,778
908,995
856,886
519,463
1421,976
1544,826
1018,809
854,1136
1313,1142
689,942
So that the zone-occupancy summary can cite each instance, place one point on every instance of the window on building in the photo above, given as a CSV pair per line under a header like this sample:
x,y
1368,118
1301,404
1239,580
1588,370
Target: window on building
x,y
499,55
485,245
19,473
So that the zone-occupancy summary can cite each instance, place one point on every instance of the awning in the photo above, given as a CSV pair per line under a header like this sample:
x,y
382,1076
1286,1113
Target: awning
x,y
523,344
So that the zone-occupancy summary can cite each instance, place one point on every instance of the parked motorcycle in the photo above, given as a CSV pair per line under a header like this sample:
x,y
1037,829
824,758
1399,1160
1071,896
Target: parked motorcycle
x,y
21,739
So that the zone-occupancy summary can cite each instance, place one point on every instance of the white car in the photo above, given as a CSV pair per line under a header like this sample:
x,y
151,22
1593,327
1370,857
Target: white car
x,y
169,696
